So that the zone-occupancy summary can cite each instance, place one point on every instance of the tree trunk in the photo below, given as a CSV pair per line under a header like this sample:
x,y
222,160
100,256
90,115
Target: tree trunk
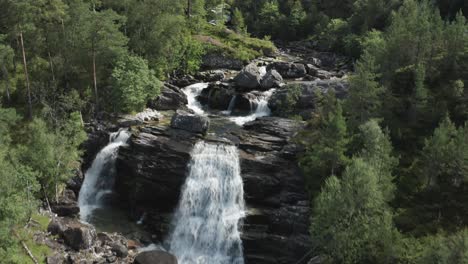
x,y
189,8
27,77
95,80
7,81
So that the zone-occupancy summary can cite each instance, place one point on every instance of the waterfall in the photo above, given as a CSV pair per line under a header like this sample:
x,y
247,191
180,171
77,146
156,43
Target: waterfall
x,y
99,179
206,223
192,92
232,103
262,109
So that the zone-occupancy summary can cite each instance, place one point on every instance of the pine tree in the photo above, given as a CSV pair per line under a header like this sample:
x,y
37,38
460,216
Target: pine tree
x,y
377,151
365,93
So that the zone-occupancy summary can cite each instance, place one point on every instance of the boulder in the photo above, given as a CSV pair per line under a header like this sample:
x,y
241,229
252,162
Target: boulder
x,y
296,70
56,227
119,249
155,257
57,258
79,236
249,77
288,70
183,81
272,79
190,122
171,98
76,235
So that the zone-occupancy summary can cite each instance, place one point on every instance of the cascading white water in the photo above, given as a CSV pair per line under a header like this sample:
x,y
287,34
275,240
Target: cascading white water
x,y
261,110
206,223
192,92
231,106
99,179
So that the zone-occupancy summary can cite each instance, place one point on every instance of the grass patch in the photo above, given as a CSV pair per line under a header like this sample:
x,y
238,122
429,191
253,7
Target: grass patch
x,y
234,45
39,223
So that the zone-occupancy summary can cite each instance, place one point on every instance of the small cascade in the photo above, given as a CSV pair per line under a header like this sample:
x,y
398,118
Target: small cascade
x,y
206,223
99,179
192,92
260,104
232,103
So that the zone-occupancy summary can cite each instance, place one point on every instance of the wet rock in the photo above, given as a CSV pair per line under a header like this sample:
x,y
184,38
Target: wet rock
x,y
244,104
151,171
98,137
190,122
249,77
171,98
216,96
272,79
156,256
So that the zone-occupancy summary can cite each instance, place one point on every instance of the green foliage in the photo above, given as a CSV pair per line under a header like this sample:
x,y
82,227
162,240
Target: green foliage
x,y
333,35
446,249
134,84
53,155
444,158
327,145
287,104
351,222
238,22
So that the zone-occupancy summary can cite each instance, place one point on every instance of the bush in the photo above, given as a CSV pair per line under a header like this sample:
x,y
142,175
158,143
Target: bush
x,y
134,83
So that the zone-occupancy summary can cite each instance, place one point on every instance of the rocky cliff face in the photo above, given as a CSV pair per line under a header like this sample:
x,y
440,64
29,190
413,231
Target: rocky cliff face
x,y
153,168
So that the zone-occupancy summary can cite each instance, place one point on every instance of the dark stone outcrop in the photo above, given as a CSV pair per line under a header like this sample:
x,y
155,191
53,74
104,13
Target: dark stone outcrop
x,y
288,70
151,171
307,95
210,76
153,167
183,81
155,257
213,61
249,77
67,204
190,122
171,98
